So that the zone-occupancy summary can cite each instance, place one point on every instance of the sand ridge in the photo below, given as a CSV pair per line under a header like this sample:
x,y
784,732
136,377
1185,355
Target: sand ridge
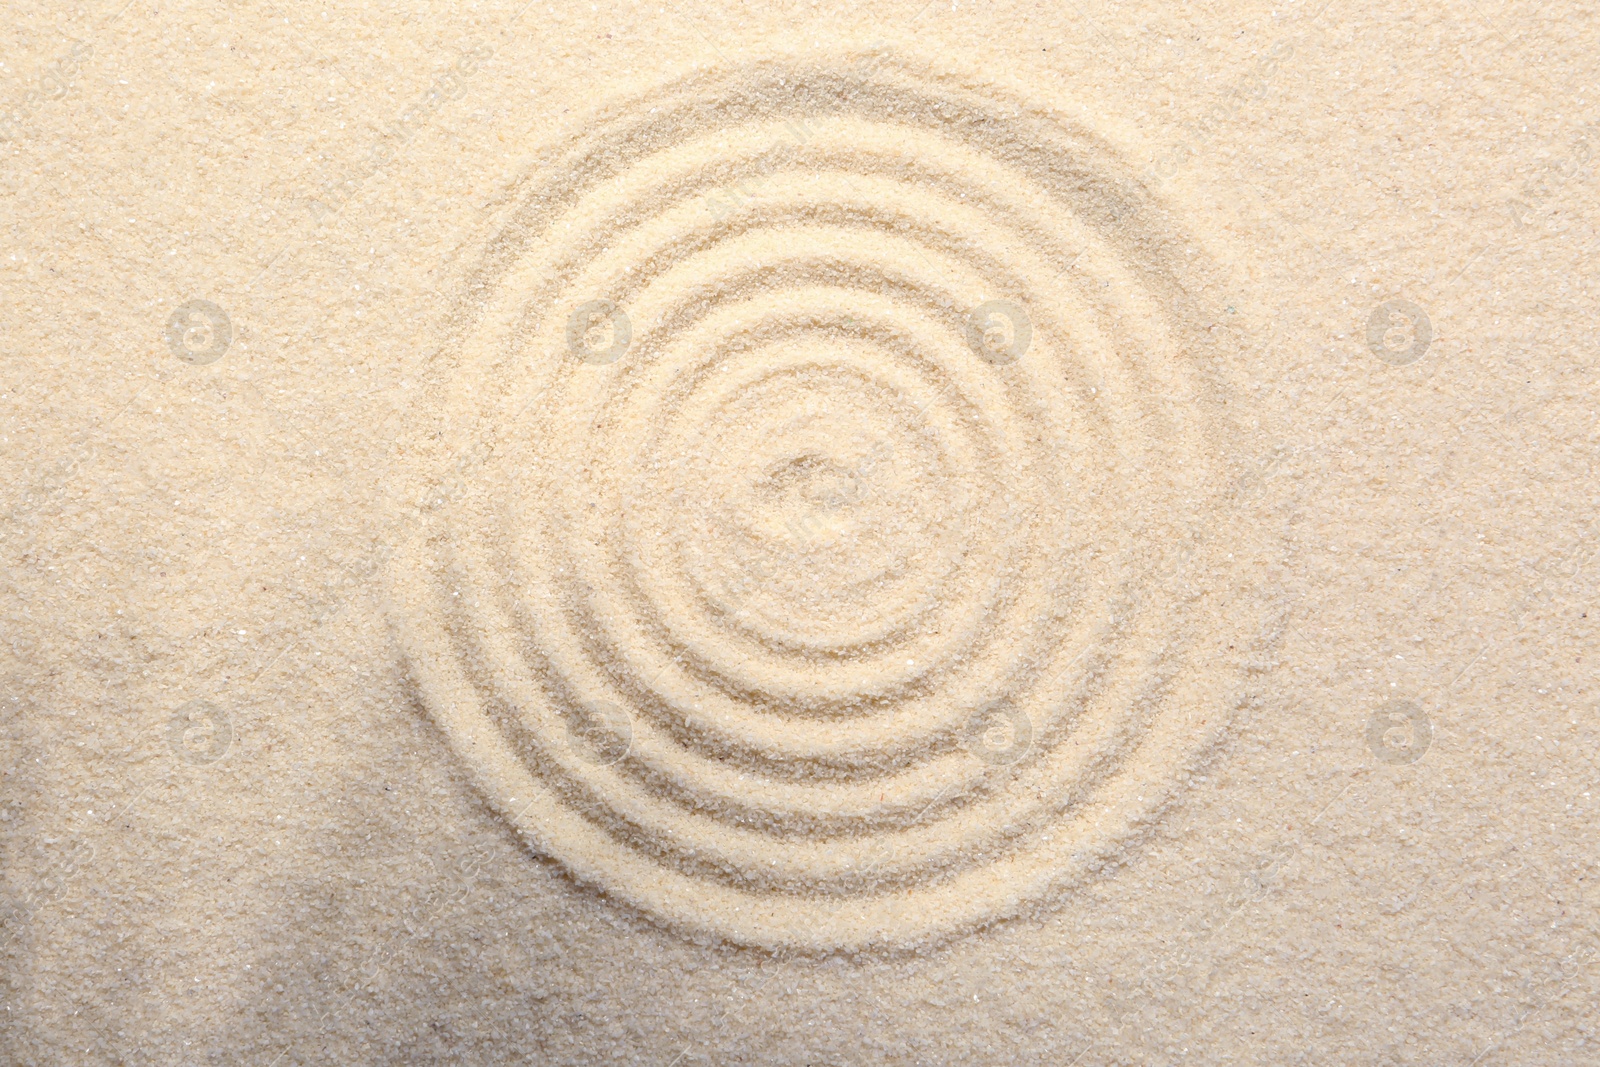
x,y
855,444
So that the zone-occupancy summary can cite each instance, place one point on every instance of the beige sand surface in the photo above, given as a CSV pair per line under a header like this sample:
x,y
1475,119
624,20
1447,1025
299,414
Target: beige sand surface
x,y
940,534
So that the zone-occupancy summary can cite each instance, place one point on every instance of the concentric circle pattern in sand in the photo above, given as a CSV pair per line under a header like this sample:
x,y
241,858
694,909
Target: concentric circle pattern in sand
x,y
827,573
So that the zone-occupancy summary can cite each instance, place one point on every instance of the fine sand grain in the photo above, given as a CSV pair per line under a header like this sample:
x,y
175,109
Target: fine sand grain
x,y
901,430
916,534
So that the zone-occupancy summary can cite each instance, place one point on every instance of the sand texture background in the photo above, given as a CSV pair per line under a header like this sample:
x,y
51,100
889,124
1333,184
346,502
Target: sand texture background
x,y
916,534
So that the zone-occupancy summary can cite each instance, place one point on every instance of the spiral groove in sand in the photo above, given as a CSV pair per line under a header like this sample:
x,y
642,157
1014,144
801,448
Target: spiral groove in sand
x,y
820,591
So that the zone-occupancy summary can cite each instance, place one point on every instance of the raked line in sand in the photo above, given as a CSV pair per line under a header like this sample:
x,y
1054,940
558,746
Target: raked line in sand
x,y
859,560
